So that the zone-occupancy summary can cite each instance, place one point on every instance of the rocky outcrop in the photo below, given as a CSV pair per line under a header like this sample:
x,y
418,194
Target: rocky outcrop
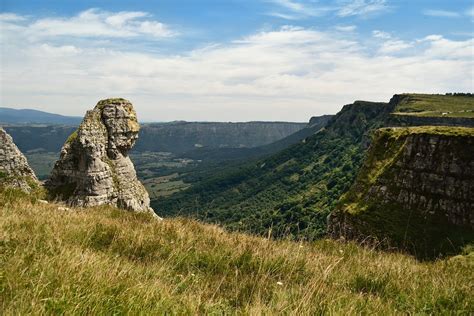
x,y
14,168
414,191
411,120
94,167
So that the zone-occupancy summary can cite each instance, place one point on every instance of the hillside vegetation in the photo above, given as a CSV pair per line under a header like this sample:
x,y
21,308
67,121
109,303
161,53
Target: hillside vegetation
x,y
291,192
106,261
436,105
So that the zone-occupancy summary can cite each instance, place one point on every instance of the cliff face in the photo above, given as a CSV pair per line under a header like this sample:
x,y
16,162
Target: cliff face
x,y
14,169
94,167
414,191
179,137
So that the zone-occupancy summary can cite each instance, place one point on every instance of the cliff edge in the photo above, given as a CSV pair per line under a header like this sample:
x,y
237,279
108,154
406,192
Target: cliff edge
x,y
414,192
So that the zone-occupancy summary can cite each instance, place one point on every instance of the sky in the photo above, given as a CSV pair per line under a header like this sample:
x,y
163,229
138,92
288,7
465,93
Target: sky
x,y
231,60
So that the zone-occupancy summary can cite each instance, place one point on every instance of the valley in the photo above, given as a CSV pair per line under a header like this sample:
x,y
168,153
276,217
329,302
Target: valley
x,y
269,157
265,211
286,188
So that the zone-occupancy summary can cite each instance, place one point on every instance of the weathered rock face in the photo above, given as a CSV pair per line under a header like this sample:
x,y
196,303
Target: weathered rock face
x,y
94,167
14,168
414,191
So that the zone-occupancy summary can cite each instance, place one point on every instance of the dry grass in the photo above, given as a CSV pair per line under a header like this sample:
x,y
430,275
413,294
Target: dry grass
x,y
106,261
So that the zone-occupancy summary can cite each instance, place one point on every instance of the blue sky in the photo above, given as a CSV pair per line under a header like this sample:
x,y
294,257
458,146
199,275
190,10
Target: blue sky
x,y
231,60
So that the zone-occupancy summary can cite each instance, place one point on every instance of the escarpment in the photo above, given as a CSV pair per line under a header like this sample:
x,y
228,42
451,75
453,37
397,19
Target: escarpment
x,y
413,192
94,167
14,168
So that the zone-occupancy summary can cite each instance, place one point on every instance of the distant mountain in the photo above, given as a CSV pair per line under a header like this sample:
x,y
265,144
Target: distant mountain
x,y
45,137
180,137
24,116
174,137
216,154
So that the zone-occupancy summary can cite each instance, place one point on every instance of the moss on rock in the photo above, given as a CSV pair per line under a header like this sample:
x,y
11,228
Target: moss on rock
x,y
413,191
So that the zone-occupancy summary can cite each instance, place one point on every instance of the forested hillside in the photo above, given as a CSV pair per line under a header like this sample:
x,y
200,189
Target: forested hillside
x,y
292,192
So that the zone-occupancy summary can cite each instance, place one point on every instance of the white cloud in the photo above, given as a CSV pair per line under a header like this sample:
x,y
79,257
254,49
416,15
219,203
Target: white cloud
x,y
290,73
361,7
381,34
390,44
393,46
299,9
284,15
292,5
57,51
442,13
441,47
345,28
11,17
342,8
96,23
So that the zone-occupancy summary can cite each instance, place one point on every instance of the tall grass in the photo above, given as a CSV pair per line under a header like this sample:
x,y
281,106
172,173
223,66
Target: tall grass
x,y
106,261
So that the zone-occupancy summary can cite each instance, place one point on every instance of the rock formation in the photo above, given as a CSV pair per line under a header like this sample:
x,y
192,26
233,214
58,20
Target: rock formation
x,y
14,168
94,167
414,191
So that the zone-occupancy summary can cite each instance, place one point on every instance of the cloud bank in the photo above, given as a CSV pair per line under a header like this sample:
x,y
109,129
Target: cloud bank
x,y
289,73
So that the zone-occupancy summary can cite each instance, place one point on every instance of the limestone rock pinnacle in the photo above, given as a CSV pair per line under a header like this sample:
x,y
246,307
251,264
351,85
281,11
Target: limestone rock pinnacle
x,y
14,168
94,167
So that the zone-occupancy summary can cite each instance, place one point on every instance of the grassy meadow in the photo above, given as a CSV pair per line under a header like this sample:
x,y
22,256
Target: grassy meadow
x,y
106,261
433,105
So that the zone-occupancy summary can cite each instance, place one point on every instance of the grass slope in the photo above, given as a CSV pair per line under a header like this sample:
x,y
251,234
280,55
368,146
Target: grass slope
x,y
436,105
106,261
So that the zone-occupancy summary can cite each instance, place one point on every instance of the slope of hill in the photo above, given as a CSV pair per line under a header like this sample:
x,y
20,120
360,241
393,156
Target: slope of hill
x,y
104,261
24,116
292,192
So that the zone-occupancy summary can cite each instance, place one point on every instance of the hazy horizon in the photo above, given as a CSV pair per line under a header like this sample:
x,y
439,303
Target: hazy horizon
x,y
265,60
